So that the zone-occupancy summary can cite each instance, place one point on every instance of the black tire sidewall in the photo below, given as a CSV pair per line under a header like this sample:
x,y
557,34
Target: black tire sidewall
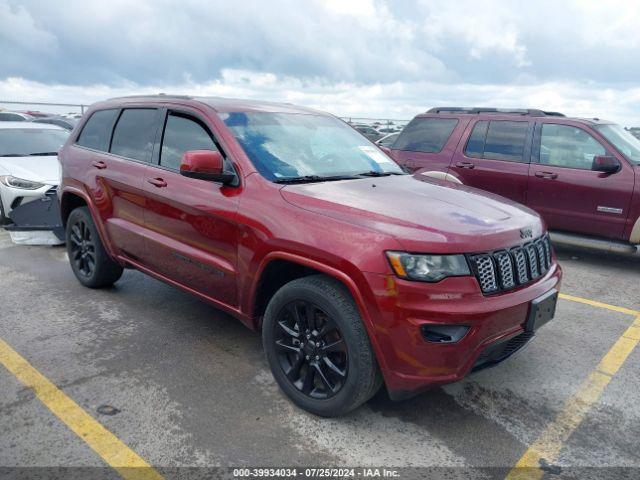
x,y
347,398
99,277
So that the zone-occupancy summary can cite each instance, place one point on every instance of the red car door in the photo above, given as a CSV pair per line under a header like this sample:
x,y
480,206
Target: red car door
x,y
191,223
118,160
495,157
567,192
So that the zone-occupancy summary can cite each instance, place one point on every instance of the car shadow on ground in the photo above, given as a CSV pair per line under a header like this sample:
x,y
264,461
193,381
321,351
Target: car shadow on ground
x,y
596,258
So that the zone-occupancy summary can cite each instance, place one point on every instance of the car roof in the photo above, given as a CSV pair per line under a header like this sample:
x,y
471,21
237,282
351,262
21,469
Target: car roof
x,y
38,126
219,104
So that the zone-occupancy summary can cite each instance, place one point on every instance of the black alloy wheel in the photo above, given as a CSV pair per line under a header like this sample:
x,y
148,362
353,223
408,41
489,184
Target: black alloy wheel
x,y
311,349
89,260
82,248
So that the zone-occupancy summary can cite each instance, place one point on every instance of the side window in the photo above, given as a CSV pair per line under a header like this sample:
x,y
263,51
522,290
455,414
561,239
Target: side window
x,y
97,131
180,135
505,140
427,135
567,146
12,117
475,145
134,134
498,140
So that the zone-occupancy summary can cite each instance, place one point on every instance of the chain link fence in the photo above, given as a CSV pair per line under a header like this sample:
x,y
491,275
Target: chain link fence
x,y
43,107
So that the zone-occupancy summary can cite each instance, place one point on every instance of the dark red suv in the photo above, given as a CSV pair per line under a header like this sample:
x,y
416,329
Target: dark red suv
x,y
293,222
581,175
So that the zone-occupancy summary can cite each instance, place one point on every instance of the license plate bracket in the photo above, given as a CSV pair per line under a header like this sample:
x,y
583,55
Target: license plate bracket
x,y
541,311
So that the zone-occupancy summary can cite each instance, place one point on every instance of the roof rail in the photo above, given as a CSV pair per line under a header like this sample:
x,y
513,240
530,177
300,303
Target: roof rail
x,y
498,111
153,96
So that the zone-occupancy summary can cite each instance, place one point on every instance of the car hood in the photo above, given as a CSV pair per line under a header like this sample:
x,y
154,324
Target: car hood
x,y
423,214
38,169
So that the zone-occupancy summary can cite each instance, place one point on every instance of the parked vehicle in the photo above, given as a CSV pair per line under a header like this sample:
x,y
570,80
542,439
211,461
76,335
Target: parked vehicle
x,y
355,272
6,116
64,122
368,131
387,140
28,163
581,175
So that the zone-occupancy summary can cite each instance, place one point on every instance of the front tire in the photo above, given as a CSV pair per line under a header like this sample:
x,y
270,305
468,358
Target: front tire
x,y
318,348
89,260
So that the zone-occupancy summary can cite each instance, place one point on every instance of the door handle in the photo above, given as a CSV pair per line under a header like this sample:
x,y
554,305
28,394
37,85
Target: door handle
x,y
100,165
549,175
157,182
468,165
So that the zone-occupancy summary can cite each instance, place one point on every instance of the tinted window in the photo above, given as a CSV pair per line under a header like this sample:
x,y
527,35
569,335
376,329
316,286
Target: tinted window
x,y
134,134
12,117
498,140
97,131
475,145
566,146
426,134
505,140
180,135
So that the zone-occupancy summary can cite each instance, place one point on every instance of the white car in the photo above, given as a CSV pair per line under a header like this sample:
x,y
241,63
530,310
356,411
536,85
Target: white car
x,y
29,165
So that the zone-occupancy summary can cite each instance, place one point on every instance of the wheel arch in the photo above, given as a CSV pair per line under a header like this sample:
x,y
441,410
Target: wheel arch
x,y
71,199
69,202
448,177
303,266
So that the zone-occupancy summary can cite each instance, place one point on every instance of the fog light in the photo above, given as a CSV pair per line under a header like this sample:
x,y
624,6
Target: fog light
x,y
444,333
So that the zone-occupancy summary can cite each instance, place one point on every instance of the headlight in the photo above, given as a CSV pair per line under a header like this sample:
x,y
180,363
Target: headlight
x,y
428,268
15,182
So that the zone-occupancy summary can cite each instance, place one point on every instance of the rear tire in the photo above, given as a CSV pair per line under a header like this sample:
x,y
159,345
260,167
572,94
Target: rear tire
x,y
318,348
89,260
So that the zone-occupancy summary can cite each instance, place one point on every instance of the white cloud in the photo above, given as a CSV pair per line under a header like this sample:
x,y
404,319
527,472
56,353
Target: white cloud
x,y
397,100
359,57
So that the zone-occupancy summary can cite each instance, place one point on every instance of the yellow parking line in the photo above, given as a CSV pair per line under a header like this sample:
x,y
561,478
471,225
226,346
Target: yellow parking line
x,y
112,450
548,445
595,303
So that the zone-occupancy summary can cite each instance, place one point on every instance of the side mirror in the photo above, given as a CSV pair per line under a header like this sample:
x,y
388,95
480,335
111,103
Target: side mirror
x,y
605,164
205,165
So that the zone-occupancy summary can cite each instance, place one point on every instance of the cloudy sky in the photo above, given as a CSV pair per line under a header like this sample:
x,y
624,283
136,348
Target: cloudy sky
x,y
367,58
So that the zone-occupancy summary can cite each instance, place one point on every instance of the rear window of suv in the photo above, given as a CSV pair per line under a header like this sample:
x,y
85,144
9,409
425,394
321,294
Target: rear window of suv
x,y
498,140
427,135
96,133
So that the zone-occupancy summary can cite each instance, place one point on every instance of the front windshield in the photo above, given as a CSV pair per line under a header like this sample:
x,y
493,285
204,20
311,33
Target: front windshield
x,y
22,142
287,145
623,140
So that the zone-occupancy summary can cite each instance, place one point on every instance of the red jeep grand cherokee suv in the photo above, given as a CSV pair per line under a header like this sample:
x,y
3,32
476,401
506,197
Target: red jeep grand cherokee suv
x,y
293,222
581,175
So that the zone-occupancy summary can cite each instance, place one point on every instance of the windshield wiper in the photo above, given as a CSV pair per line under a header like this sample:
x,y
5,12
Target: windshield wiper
x,y
43,154
13,155
375,173
314,178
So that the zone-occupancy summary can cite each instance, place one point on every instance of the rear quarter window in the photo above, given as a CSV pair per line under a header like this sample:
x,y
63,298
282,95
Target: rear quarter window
x,y
96,133
428,135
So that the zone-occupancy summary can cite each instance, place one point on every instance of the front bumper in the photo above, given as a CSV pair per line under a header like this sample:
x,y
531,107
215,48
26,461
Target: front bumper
x,y
409,362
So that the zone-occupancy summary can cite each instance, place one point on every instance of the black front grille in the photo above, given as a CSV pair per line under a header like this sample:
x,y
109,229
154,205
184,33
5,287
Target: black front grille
x,y
507,269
